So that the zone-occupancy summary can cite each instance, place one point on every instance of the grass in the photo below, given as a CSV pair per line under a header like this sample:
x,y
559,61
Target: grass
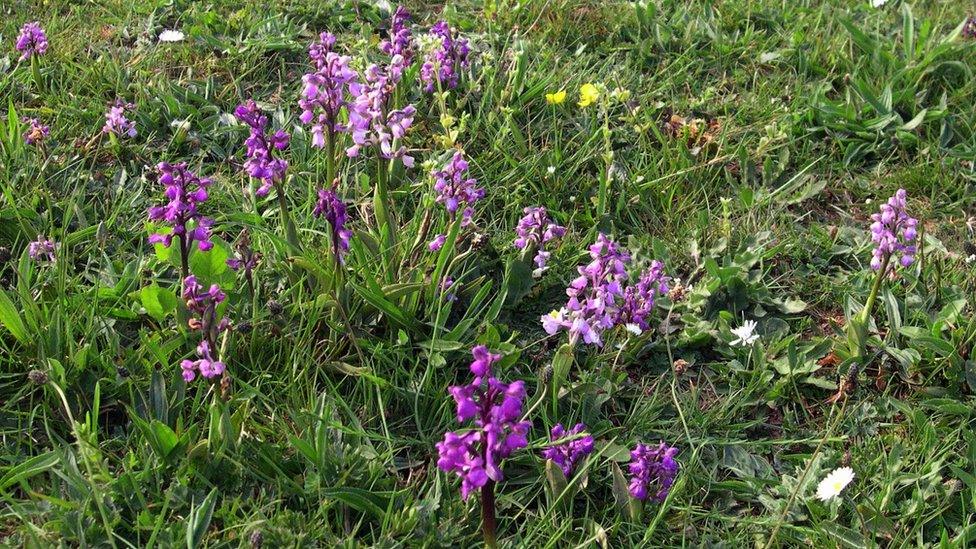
x,y
325,432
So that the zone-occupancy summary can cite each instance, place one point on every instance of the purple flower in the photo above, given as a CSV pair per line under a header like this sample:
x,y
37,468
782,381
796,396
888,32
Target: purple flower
x,y
595,296
447,284
185,192
969,29
326,90
42,249
261,144
567,454
116,121
652,469
331,207
206,364
893,231
371,121
455,190
495,409
443,64
534,230
36,132
202,304
639,298
437,243
32,40
400,40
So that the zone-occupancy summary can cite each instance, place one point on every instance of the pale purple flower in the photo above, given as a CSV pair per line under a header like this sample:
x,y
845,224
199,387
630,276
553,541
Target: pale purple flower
x,y
639,298
534,230
567,453
116,122
42,249
371,121
261,145
36,132
202,304
400,40
444,63
32,40
331,207
455,190
185,192
495,409
652,470
969,29
437,243
893,231
326,90
447,284
595,296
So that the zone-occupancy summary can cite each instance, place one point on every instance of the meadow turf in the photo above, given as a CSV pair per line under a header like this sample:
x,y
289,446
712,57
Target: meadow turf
x,y
745,145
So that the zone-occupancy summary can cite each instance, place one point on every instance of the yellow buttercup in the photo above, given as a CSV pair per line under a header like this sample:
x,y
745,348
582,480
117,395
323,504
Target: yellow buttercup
x,y
556,98
589,94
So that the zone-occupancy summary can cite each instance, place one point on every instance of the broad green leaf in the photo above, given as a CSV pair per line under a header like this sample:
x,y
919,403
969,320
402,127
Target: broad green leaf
x,y
10,318
199,520
158,301
28,468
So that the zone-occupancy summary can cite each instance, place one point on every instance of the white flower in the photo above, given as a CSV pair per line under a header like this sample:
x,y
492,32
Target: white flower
x,y
970,259
633,328
878,3
171,36
744,334
551,170
834,483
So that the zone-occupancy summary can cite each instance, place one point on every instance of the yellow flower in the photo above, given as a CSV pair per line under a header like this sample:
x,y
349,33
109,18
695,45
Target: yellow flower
x,y
556,98
588,95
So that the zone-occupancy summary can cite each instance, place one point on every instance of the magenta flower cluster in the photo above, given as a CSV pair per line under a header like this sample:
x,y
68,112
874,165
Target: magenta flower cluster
x,y
202,304
495,408
116,121
893,231
534,230
400,40
261,163
372,123
652,470
185,192
443,64
32,40
42,249
594,296
456,191
639,298
36,132
568,453
598,299
326,90
331,207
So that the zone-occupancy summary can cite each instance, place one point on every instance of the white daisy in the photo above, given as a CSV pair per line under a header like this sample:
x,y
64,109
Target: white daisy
x,y
878,3
633,328
551,170
834,483
171,36
745,335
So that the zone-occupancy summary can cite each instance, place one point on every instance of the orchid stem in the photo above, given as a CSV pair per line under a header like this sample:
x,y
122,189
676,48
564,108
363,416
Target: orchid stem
x,y
488,522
